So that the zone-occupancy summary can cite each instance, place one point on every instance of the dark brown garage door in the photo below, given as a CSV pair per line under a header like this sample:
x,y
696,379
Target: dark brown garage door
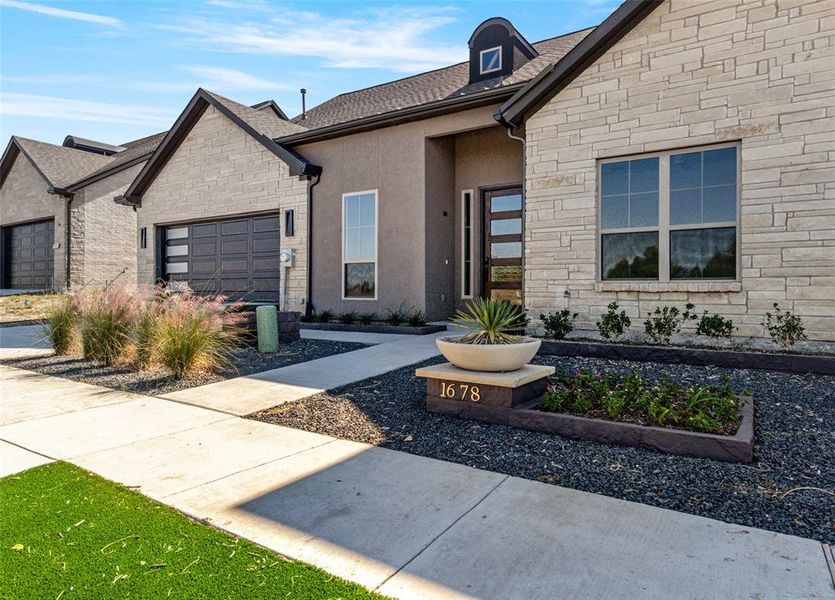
x,y
29,255
235,257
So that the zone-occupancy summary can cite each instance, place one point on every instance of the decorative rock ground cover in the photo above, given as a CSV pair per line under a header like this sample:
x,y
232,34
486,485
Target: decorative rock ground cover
x,y
789,488
245,361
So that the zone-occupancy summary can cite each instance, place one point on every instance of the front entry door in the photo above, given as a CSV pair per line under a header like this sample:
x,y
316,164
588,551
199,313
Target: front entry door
x,y
503,244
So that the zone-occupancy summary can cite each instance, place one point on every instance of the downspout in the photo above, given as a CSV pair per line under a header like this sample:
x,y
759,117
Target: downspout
x,y
308,307
68,228
524,193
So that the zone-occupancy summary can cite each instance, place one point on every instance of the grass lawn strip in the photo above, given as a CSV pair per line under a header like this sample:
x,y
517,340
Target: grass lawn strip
x,y
68,534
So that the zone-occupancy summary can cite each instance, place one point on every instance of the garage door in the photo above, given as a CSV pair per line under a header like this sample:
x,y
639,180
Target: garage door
x,y
29,255
234,257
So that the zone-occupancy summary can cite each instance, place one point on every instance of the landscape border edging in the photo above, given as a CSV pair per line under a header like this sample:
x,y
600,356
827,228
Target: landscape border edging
x,y
730,359
357,328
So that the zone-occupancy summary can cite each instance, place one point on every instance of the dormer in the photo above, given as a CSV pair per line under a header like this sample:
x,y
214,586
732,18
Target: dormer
x,y
497,49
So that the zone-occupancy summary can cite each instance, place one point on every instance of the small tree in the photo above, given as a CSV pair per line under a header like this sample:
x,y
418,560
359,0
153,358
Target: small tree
x,y
784,327
613,324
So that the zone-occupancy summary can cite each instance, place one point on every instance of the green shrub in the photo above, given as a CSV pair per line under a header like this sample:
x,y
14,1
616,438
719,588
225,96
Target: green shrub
x,y
613,324
324,316
195,335
784,327
490,322
106,320
715,326
348,318
61,325
558,324
396,317
666,321
709,408
416,318
366,318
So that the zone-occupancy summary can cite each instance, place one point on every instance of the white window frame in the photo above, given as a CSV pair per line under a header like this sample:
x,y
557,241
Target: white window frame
x,y
376,245
467,196
663,228
481,60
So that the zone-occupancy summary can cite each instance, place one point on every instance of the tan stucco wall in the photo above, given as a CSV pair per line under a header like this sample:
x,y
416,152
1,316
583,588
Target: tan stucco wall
x,y
24,197
221,171
761,73
484,159
103,245
391,160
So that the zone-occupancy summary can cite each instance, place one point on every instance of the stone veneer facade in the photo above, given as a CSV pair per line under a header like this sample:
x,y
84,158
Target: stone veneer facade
x,y
103,234
758,72
221,171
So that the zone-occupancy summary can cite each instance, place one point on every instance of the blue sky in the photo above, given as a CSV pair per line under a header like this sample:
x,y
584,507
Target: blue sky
x,y
118,70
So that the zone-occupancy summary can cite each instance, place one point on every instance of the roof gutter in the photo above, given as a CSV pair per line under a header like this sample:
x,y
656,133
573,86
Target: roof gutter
x,y
405,115
551,81
121,167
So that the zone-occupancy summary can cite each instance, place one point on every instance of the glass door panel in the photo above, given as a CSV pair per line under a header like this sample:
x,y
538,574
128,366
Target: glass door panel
x,y
503,245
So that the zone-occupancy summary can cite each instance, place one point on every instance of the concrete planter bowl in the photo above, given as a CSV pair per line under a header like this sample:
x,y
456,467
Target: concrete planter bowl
x,y
488,357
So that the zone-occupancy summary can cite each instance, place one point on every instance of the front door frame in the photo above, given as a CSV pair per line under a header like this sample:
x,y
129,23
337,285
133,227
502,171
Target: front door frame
x,y
485,194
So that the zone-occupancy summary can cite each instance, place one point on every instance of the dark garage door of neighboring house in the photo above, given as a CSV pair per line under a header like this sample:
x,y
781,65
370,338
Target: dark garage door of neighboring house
x,y
235,257
28,255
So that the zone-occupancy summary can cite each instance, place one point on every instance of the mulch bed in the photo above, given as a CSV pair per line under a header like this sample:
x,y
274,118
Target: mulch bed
x,y
245,361
789,488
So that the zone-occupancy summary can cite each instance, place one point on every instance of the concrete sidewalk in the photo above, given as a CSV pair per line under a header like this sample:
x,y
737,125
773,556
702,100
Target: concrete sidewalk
x,y
408,526
245,395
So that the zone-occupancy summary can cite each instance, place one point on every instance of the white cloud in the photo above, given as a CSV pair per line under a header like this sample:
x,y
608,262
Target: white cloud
x,y
62,13
53,107
224,78
210,77
256,5
394,39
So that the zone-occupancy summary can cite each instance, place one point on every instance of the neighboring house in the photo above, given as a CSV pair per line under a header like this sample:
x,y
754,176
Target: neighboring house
x,y
59,226
680,151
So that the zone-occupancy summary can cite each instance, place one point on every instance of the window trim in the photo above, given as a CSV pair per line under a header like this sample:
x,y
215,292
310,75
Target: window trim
x,y
481,60
467,196
664,228
376,246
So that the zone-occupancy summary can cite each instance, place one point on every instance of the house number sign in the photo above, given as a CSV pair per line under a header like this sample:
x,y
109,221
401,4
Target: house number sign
x,y
460,391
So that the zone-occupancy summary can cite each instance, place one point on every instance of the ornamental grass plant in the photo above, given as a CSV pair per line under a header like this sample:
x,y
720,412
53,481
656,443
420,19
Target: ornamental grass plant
x,y
62,325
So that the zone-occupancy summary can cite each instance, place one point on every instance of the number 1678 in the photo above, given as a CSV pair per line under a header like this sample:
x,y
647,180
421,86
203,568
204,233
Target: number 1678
x,y
461,390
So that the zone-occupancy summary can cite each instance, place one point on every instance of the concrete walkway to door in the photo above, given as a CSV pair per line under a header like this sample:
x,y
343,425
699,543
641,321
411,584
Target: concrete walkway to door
x,y
251,393
405,525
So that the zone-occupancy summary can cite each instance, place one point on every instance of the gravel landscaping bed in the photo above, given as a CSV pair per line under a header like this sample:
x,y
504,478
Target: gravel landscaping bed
x,y
245,361
790,487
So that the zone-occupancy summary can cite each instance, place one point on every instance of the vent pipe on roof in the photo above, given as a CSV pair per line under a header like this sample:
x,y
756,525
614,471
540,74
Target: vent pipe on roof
x,y
304,110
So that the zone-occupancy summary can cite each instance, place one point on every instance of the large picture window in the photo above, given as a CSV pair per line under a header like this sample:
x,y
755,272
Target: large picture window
x,y
670,216
359,245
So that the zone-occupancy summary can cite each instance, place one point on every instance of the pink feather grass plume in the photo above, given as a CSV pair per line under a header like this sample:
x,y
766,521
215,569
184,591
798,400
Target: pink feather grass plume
x,y
196,334
106,319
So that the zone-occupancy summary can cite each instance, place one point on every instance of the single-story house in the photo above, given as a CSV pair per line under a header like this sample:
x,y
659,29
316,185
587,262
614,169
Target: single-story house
x,y
678,152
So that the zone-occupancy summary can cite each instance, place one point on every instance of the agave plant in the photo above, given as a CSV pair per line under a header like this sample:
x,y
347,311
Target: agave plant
x,y
490,322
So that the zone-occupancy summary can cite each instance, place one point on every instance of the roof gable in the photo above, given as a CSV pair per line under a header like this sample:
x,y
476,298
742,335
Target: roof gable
x,y
261,125
553,79
58,165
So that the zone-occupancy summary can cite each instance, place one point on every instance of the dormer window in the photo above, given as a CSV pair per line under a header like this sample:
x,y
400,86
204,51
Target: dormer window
x,y
491,60
497,50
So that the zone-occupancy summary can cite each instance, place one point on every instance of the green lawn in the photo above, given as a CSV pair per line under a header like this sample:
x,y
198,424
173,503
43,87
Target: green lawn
x,y
66,533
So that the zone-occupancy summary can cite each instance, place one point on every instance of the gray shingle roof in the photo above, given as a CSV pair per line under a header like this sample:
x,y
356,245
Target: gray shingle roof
x,y
431,87
133,151
263,121
59,164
